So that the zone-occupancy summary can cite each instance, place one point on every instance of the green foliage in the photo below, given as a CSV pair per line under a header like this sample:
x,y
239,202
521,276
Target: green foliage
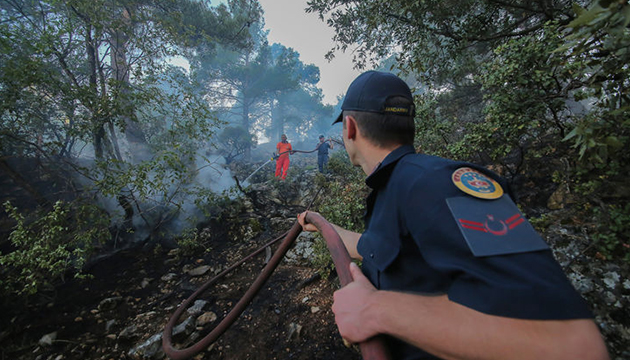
x,y
224,210
434,132
542,222
342,202
270,90
61,87
234,141
612,231
441,41
227,204
165,181
81,73
339,165
598,143
190,243
600,38
321,259
47,248
526,106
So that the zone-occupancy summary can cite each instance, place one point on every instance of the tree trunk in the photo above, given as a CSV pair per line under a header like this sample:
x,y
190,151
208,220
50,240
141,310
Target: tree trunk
x,y
97,140
277,122
137,142
247,155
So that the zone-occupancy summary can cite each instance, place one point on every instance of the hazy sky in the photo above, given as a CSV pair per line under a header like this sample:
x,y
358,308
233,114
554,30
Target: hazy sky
x,y
291,26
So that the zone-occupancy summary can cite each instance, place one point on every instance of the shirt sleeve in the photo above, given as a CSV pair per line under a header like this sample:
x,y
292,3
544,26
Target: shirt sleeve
x,y
529,285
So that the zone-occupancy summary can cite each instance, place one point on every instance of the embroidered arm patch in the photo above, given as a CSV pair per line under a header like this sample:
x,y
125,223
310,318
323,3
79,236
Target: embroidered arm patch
x,y
474,183
494,227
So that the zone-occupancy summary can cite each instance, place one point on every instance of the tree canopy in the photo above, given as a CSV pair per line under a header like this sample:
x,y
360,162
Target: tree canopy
x,y
91,101
539,89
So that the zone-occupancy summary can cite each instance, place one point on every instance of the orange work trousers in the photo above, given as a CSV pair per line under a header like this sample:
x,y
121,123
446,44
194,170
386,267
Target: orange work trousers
x,y
282,166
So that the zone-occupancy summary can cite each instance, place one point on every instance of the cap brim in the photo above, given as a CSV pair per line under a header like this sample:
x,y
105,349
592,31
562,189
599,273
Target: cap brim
x,y
339,118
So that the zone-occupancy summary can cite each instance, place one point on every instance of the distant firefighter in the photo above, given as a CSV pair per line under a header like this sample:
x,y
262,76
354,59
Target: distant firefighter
x,y
322,153
283,149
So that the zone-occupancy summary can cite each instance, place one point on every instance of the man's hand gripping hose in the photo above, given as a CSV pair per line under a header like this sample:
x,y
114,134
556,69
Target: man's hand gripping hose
x,y
373,348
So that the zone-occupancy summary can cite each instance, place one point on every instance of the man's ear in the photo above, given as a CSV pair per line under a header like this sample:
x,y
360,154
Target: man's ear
x,y
351,125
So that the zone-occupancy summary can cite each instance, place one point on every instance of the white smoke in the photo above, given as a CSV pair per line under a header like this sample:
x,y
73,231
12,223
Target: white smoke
x,y
167,211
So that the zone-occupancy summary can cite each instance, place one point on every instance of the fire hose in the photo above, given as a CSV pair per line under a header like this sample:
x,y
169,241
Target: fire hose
x,y
275,156
372,349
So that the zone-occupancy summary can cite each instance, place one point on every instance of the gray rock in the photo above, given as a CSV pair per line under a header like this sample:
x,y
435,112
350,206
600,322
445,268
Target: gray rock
x,y
198,271
147,349
302,252
110,303
48,339
197,307
294,331
185,327
109,325
129,332
152,347
206,318
168,277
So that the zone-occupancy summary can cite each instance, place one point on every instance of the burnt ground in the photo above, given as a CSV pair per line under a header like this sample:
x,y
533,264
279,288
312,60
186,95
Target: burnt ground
x,y
131,296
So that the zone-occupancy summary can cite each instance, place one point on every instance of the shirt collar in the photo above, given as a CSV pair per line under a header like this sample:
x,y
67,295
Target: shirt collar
x,y
381,174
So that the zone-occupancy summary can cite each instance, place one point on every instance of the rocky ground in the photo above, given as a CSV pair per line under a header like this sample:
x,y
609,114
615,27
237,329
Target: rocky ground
x,y
121,311
604,284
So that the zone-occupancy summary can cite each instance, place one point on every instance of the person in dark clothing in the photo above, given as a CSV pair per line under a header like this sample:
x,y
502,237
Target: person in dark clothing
x,y
322,153
450,267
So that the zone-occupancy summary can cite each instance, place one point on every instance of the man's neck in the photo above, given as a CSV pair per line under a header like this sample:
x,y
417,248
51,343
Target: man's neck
x,y
372,156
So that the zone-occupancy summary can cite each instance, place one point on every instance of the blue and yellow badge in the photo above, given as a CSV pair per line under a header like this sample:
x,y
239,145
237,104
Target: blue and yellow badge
x,y
474,183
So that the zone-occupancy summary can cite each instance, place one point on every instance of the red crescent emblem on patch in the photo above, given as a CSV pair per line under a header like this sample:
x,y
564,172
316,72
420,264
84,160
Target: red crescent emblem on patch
x,y
493,226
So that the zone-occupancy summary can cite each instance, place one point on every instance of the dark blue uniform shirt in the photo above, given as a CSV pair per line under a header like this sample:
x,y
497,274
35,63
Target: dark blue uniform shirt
x,y
322,148
412,243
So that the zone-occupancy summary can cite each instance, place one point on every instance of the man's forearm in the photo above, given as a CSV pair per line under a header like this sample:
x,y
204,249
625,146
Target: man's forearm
x,y
350,240
453,331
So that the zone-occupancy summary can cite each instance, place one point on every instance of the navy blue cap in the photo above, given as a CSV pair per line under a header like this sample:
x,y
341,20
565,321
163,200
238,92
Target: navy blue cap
x,y
370,91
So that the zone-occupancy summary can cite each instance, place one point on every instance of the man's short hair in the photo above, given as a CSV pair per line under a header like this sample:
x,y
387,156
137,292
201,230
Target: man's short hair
x,y
385,130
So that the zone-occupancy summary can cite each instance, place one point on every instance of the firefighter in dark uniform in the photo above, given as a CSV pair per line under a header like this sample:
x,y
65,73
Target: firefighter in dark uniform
x,y
451,268
322,153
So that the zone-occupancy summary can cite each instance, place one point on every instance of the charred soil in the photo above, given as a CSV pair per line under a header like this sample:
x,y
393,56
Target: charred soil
x,y
132,294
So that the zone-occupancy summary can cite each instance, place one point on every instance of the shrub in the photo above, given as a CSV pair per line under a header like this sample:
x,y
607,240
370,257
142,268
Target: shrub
x,y
612,233
45,249
342,203
189,242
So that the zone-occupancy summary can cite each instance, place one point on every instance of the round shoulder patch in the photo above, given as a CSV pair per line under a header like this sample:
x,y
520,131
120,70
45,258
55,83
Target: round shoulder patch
x,y
474,183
